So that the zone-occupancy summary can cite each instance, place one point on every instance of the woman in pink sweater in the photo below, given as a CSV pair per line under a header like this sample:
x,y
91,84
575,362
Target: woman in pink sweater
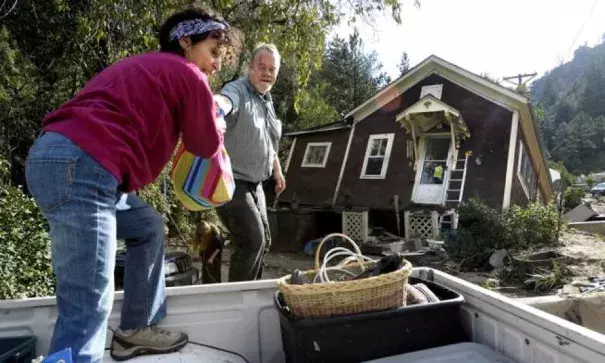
x,y
115,136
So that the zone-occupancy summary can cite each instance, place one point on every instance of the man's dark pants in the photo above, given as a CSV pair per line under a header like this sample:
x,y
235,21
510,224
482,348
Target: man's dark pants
x,y
246,218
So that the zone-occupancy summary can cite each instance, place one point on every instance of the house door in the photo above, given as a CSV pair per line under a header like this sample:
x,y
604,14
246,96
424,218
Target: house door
x,y
431,177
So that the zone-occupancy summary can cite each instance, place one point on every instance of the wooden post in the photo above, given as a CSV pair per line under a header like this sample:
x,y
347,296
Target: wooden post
x,y
406,224
435,223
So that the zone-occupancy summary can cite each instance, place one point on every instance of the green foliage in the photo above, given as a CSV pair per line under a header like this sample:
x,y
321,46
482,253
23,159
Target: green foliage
x,y
25,267
489,77
352,74
348,76
590,181
483,230
545,280
315,110
572,197
573,121
404,64
534,225
581,143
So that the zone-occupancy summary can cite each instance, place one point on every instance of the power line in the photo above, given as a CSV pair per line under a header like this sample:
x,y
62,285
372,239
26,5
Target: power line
x,y
519,78
588,16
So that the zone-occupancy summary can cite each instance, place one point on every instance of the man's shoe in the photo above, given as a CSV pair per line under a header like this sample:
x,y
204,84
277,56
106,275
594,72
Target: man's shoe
x,y
149,340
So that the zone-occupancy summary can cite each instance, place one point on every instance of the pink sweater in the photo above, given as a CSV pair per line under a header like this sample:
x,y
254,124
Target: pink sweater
x,y
130,116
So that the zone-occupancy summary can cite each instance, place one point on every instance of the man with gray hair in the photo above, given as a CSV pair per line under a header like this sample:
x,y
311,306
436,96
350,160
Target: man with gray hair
x,y
252,140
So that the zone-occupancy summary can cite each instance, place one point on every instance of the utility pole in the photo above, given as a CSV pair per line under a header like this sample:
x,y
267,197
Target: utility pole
x,y
518,79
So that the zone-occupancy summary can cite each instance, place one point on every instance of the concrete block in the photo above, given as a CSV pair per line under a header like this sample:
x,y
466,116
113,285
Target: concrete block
x,y
596,227
580,213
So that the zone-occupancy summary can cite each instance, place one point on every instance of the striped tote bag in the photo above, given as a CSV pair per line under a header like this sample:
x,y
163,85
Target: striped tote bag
x,y
201,183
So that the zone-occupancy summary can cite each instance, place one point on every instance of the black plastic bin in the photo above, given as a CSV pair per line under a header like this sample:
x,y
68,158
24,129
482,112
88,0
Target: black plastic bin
x,y
366,336
17,349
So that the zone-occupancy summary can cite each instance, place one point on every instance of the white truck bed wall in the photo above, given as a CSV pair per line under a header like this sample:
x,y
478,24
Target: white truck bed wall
x,y
519,331
240,317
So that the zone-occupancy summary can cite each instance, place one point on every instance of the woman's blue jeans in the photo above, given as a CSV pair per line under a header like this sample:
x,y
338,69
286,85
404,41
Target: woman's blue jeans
x,y
78,197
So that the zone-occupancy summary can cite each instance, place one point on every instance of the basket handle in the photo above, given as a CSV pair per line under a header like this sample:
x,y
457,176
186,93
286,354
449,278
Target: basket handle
x,y
332,235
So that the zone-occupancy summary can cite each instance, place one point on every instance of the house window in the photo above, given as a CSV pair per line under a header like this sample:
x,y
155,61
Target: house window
x,y
435,90
377,156
316,155
526,174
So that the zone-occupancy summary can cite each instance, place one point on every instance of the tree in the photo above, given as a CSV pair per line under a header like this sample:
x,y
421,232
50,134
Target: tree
x,y
404,64
315,110
487,76
523,90
591,100
572,97
353,75
580,143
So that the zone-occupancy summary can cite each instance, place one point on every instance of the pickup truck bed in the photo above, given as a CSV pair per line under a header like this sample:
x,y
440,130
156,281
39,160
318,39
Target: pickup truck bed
x,y
241,318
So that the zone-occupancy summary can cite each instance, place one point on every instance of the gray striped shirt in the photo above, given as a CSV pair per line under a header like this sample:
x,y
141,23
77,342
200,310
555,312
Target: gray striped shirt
x,y
253,131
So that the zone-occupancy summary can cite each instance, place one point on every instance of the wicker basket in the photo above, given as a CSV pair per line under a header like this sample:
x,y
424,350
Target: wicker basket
x,y
315,300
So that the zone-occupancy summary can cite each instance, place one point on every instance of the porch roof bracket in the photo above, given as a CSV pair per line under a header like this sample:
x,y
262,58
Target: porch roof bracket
x,y
429,112
415,142
452,132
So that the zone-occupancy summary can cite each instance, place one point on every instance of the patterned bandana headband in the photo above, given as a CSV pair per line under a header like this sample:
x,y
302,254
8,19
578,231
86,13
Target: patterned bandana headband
x,y
196,26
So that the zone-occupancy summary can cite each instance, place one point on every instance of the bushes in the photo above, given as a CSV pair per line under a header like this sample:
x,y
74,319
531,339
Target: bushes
x,y
534,225
483,230
572,197
25,267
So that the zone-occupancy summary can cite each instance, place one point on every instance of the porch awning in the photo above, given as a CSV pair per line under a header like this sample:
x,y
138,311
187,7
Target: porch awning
x,y
430,112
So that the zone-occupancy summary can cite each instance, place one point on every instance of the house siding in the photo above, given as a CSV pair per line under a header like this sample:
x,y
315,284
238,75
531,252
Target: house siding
x,y
490,126
315,186
518,196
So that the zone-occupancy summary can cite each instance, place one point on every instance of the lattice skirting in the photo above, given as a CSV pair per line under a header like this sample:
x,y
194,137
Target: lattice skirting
x,y
355,225
421,225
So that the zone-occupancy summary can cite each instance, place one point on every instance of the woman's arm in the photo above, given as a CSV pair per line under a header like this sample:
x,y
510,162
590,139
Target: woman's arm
x,y
201,134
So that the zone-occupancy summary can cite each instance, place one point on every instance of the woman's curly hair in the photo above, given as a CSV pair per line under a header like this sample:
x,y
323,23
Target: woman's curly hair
x,y
229,38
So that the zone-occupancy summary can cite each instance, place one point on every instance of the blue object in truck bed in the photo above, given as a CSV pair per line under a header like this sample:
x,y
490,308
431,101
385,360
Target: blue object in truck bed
x,y
310,246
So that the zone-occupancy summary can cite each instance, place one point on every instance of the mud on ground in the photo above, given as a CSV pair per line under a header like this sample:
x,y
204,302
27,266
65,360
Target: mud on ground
x,y
586,253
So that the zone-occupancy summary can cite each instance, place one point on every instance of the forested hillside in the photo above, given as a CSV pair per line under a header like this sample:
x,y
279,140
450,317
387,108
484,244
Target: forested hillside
x,y
571,111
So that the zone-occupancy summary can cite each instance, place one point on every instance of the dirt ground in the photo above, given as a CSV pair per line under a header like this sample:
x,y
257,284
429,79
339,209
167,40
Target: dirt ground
x,y
586,253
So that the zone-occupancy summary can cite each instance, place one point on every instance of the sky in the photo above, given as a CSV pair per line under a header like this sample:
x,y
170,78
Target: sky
x,y
498,37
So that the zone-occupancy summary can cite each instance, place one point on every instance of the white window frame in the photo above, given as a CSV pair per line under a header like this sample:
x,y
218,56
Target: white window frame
x,y
387,156
327,145
521,177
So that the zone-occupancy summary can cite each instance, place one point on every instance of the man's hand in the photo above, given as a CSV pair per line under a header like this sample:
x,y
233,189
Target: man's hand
x,y
280,182
224,103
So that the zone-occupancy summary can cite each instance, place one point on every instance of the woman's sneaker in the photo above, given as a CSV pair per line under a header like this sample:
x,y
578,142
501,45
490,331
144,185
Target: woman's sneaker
x,y
149,340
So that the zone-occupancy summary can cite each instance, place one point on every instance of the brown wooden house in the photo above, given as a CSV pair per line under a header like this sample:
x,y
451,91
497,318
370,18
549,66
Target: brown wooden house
x,y
435,137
